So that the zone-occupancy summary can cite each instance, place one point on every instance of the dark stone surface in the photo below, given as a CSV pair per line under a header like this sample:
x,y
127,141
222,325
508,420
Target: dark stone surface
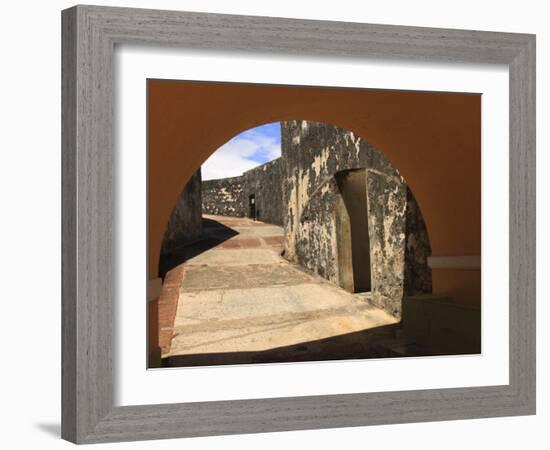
x,y
387,231
230,196
224,197
265,183
418,276
184,225
315,243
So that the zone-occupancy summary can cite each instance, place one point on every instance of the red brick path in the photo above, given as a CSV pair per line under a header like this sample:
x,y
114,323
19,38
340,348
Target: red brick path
x,y
167,305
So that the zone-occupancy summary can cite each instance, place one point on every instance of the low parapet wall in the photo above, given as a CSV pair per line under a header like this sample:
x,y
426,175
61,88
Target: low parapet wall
x,y
231,196
224,197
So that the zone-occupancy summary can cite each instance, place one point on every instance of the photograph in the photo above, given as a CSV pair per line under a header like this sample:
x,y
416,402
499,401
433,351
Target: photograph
x,y
311,223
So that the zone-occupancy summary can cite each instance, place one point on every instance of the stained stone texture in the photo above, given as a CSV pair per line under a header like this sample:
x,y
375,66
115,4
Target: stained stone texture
x,y
224,197
418,276
312,154
230,196
185,223
311,239
265,183
387,227
228,274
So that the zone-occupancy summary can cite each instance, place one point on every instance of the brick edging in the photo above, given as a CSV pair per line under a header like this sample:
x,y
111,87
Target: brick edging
x,y
167,306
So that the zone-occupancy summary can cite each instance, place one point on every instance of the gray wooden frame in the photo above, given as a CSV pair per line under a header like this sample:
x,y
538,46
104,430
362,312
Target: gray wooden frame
x,y
89,36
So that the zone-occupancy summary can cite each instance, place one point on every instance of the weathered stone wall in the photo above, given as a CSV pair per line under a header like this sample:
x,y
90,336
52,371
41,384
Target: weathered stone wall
x,y
311,236
418,276
300,191
312,154
230,196
387,194
265,183
185,223
224,197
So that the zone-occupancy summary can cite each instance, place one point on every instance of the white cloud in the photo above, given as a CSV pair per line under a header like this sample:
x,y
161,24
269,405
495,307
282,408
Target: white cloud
x,y
240,154
226,162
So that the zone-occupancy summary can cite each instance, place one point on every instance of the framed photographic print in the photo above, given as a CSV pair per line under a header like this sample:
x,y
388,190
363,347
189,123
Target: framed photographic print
x,y
335,219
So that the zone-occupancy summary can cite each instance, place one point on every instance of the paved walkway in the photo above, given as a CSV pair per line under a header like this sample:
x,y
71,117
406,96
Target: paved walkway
x,y
240,302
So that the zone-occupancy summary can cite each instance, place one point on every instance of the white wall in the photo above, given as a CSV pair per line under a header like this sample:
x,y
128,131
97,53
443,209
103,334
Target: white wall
x,y
30,225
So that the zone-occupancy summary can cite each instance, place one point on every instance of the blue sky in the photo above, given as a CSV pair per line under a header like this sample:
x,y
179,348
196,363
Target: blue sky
x,y
245,151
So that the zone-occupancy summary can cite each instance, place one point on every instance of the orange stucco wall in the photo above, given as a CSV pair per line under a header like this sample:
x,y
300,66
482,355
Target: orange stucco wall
x,y
433,139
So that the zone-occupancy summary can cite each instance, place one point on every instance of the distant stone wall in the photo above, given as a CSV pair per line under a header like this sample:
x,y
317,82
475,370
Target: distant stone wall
x,y
185,223
312,154
230,196
224,197
265,183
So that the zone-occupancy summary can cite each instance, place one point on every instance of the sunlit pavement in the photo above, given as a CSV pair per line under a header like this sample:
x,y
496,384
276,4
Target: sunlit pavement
x,y
240,302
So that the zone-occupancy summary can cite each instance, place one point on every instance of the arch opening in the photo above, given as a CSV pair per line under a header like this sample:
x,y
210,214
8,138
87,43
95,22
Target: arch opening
x,y
318,190
330,204
432,137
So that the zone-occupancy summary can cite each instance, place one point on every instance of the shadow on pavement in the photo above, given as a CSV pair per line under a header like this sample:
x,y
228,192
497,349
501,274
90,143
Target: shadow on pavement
x,y
214,233
378,342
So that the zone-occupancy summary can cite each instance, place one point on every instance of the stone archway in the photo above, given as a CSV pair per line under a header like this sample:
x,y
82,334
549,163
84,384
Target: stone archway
x,y
432,138
318,161
344,209
421,133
